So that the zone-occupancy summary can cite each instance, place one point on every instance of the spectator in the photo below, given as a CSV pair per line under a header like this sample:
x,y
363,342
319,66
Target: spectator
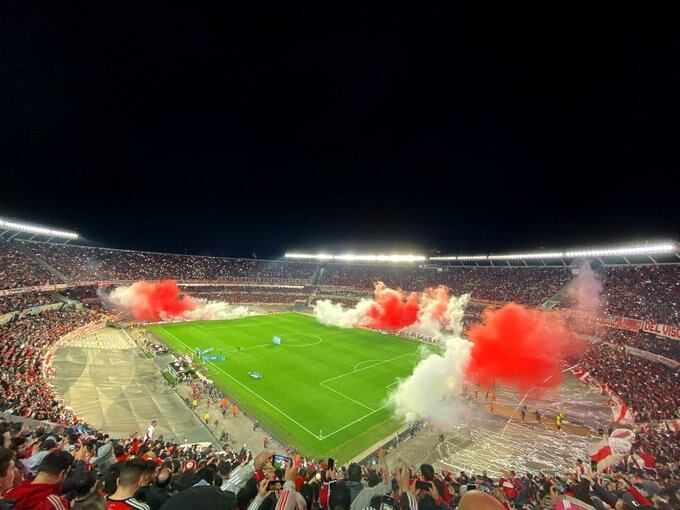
x,y
44,492
377,485
130,480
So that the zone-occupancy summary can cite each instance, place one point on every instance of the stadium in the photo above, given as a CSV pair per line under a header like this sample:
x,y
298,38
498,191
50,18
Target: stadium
x,y
336,256
306,354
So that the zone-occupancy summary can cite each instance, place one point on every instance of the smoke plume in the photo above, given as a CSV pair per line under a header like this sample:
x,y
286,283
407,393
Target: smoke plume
x,y
514,346
519,347
158,301
433,314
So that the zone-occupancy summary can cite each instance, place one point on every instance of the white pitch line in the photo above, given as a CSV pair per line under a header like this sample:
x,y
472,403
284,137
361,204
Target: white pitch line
x,y
369,366
346,396
240,325
355,421
250,390
365,361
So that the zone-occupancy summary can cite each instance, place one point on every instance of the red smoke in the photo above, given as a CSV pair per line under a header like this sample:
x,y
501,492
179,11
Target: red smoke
x,y
519,347
434,302
154,301
392,310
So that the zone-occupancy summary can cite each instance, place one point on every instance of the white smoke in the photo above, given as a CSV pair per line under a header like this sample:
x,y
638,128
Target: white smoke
x,y
216,310
434,324
130,298
433,391
585,290
335,314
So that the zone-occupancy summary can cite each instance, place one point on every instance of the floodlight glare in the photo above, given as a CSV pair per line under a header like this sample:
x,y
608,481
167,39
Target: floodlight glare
x,y
356,258
630,250
642,249
32,229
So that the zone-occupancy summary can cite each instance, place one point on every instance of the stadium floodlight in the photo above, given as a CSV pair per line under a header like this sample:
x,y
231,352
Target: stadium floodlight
x,y
520,256
642,249
380,258
312,256
356,258
622,252
35,230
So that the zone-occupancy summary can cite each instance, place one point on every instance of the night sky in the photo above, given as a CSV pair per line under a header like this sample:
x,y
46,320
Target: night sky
x,y
254,127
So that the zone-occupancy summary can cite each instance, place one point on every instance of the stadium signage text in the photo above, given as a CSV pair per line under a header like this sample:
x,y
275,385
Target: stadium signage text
x,y
661,329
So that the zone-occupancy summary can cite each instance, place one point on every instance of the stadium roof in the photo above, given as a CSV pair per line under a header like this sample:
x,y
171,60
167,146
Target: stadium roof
x,y
656,248
24,230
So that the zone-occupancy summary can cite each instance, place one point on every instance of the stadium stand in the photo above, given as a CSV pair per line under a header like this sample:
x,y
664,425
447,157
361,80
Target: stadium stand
x,y
19,302
644,292
19,271
523,285
170,473
97,264
54,467
24,343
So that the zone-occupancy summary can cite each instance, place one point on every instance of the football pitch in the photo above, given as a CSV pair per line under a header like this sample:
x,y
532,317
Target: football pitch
x,y
323,389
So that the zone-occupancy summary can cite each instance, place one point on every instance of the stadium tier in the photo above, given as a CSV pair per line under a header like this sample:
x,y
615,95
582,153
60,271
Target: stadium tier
x,y
57,311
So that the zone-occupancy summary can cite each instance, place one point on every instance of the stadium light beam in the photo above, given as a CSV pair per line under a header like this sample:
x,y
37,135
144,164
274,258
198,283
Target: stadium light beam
x,y
36,230
356,258
642,249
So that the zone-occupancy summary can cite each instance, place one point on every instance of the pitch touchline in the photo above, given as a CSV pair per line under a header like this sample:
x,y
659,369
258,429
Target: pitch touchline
x,y
246,387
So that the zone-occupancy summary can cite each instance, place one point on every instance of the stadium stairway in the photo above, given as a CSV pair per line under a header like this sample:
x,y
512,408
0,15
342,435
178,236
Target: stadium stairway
x,y
557,298
318,274
35,258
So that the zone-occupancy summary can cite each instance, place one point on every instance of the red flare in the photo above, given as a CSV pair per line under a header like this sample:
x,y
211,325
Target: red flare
x,y
392,310
157,301
519,347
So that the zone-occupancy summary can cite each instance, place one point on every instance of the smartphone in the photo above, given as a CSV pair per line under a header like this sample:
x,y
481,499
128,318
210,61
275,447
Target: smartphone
x,y
331,464
387,503
281,462
424,486
275,485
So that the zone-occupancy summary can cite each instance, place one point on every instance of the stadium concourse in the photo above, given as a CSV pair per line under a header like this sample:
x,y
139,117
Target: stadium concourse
x,y
50,457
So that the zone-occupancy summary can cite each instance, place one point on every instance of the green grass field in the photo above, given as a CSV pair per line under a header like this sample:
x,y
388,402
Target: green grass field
x,y
323,390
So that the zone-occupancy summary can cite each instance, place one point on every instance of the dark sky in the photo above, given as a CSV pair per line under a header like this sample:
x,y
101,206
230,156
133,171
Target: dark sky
x,y
265,127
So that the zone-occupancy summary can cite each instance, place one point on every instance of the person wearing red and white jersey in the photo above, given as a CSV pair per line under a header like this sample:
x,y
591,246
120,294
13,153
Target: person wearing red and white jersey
x,y
129,482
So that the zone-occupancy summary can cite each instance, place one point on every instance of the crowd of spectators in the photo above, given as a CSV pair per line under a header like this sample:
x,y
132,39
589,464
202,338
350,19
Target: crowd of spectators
x,y
100,264
24,342
649,292
666,347
17,270
252,297
649,388
640,291
58,467
521,284
19,302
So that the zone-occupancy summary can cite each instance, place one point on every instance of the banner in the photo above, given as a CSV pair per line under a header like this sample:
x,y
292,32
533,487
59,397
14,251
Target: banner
x,y
663,330
214,358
